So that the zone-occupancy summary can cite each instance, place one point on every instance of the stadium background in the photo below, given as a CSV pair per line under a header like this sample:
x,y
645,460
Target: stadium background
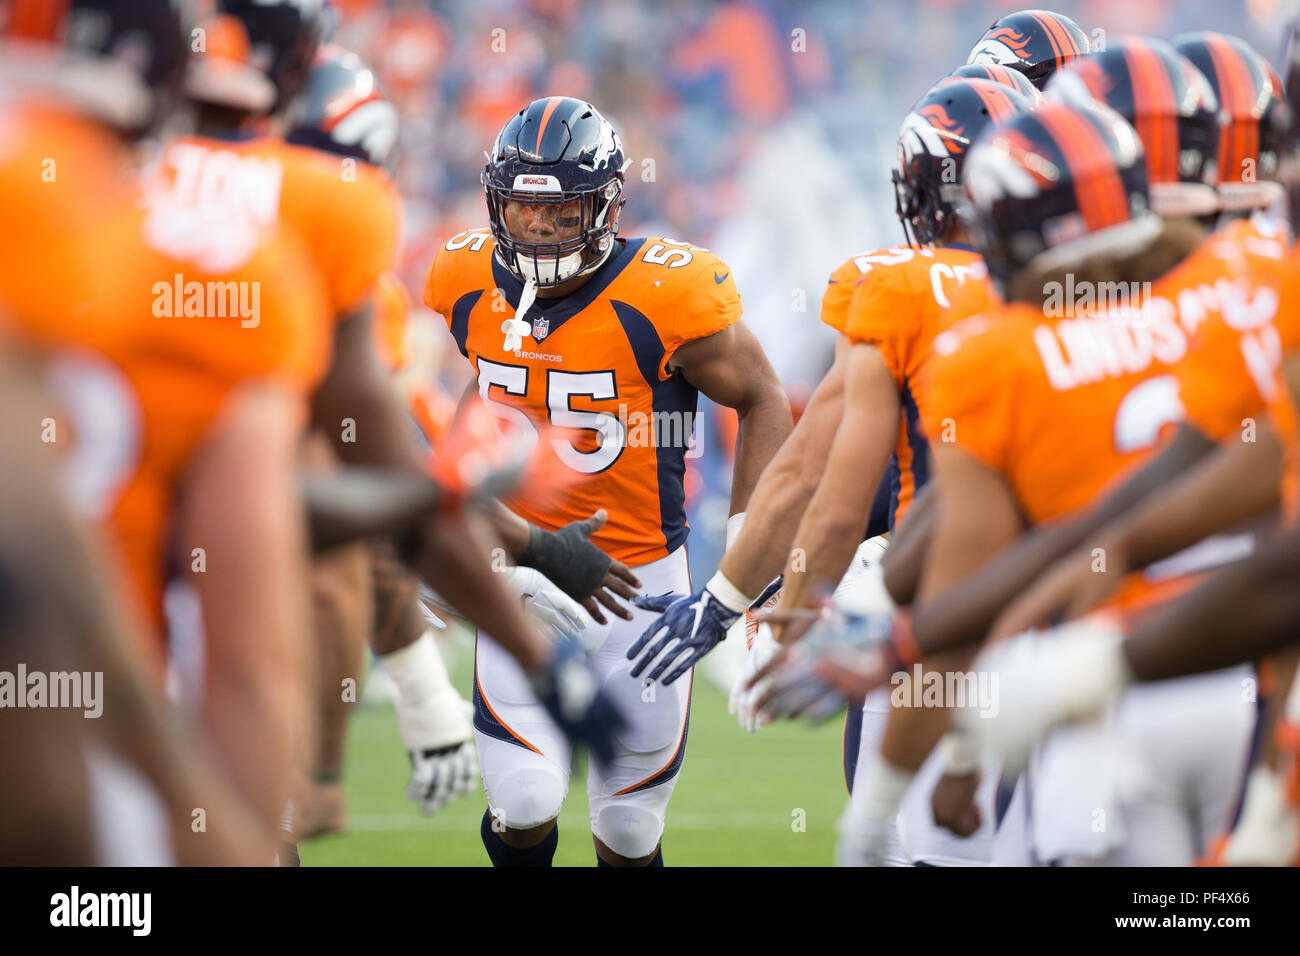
x,y
763,130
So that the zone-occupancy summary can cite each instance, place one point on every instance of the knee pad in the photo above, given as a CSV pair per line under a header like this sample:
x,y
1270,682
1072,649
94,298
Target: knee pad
x,y
628,829
527,796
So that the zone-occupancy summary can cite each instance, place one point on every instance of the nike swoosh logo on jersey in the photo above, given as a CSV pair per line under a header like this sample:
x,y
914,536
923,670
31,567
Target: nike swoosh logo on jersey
x,y
719,279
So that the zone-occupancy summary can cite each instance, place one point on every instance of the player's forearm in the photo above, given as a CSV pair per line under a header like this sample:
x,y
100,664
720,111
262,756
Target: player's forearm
x,y
912,732
514,531
1237,482
359,502
825,541
765,423
907,545
357,407
1244,612
964,614
454,555
782,495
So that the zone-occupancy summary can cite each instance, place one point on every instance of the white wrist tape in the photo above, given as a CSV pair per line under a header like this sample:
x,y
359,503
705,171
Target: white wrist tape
x,y
883,788
734,524
959,753
430,713
727,594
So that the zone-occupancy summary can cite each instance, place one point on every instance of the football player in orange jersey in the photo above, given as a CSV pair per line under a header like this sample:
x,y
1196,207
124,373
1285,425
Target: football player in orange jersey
x,y
900,299
363,592
243,177
1143,81
169,405
610,342
1060,447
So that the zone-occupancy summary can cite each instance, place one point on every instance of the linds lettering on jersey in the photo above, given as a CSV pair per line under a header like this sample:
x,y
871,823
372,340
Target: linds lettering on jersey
x,y
103,909
1124,341
208,300
533,183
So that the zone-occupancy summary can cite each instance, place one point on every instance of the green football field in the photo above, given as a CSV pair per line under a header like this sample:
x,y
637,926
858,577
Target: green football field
x,y
762,800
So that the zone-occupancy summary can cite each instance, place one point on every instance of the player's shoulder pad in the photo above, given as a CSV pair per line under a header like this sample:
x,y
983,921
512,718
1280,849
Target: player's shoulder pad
x,y
463,264
691,292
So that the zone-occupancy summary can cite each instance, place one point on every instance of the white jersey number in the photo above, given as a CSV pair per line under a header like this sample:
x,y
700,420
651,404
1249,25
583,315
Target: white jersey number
x,y
1144,411
104,444
560,389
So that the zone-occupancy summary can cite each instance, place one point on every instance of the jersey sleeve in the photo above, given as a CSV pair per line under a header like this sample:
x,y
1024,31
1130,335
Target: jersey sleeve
x,y
1214,383
460,274
878,314
700,297
839,293
972,393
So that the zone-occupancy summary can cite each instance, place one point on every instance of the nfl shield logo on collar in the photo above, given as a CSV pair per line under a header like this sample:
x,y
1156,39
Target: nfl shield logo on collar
x,y
540,328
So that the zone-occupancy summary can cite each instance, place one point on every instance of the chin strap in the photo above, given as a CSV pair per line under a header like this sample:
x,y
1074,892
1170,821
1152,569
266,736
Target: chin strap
x,y
516,328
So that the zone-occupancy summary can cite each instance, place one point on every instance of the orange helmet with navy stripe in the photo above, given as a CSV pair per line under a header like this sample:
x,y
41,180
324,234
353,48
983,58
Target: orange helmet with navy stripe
x,y
1255,117
933,142
1056,183
1172,107
1002,75
1037,43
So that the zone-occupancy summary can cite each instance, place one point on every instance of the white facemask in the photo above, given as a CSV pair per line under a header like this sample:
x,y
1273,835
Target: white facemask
x,y
549,270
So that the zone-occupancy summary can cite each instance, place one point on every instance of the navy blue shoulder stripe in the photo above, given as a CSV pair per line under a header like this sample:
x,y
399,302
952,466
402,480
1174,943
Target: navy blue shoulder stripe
x,y
671,399
460,318
644,339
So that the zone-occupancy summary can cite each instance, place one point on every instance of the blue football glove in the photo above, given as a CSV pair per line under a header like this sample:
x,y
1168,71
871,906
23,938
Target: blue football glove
x,y
687,628
571,693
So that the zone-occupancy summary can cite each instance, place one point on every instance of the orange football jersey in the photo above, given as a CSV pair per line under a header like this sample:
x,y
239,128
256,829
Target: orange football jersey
x,y
595,370
839,291
143,349
1231,370
1062,406
902,298
347,212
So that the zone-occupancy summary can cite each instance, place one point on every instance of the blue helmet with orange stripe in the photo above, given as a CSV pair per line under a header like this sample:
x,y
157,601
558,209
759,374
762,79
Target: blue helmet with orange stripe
x,y
343,110
932,145
284,36
558,152
1056,184
1170,104
1256,118
996,73
1035,42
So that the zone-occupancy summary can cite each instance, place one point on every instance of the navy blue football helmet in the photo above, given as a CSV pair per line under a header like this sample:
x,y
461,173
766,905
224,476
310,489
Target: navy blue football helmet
x,y
284,36
933,142
1003,75
121,60
1053,184
1035,42
342,110
1171,105
555,151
